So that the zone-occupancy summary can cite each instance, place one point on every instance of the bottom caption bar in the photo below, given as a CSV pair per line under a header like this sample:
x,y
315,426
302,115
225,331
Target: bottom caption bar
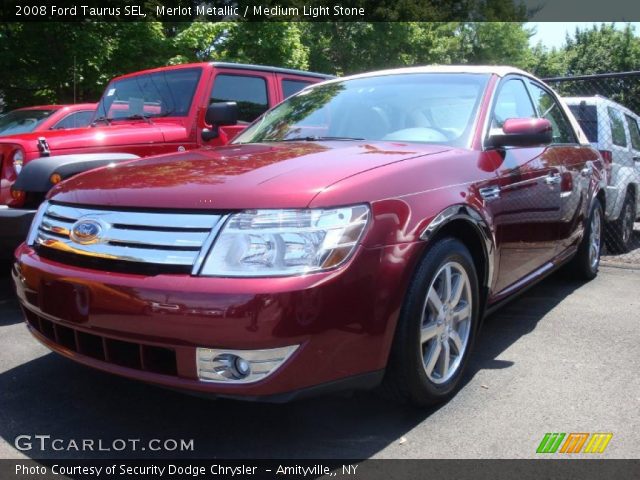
x,y
584,469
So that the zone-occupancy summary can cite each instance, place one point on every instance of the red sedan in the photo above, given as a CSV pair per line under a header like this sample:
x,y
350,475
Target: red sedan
x,y
353,236
46,117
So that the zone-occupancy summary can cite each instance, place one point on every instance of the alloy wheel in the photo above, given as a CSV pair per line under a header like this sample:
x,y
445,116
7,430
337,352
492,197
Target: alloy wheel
x,y
446,322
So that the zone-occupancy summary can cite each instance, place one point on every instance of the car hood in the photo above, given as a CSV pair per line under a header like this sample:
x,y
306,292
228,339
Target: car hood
x,y
122,133
275,175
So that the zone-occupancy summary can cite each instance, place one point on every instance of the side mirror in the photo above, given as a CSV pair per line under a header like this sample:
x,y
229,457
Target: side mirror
x,y
219,114
222,113
522,132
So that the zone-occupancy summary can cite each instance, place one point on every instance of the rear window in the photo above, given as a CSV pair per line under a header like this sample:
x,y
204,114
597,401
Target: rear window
x,y
587,117
289,87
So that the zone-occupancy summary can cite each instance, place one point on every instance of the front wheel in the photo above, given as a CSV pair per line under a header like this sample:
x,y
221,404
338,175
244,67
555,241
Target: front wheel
x,y
587,260
437,327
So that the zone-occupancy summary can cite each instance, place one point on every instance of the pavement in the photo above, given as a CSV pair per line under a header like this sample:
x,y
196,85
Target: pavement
x,y
563,357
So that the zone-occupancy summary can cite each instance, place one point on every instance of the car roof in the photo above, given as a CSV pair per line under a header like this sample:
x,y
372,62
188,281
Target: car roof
x,y
76,106
499,70
245,66
40,107
598,100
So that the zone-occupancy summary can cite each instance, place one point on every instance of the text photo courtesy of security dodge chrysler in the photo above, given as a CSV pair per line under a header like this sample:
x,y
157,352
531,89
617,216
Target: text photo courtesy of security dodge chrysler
x,y
353,236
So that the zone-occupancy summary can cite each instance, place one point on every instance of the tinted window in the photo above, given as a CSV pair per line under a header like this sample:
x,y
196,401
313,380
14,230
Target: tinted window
x,y
289,87
250,93
164,93
22,121
512,102
550,109
587,117
618,137
75,120
634,132
429,108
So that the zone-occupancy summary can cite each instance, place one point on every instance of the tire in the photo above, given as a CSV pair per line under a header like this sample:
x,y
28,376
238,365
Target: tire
x,y
412,375
584,265
619,233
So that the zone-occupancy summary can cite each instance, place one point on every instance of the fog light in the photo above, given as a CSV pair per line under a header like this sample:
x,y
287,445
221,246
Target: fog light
x,y
240,366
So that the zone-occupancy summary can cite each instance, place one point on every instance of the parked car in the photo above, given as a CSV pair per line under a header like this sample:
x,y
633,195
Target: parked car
x,y
140,114
613,130
356,234
46,117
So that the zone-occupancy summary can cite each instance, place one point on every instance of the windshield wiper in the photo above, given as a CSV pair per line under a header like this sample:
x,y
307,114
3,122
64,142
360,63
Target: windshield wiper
x,y
314,138
138,116
102,119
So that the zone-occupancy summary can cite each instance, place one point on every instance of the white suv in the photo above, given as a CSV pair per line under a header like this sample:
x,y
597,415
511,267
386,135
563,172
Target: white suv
x,y
614,131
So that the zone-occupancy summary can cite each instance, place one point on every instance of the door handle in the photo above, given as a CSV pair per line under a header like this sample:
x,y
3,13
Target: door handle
x,y
490,193
553,178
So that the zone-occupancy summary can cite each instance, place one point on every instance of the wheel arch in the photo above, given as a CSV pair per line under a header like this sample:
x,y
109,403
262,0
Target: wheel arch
x,y
469,226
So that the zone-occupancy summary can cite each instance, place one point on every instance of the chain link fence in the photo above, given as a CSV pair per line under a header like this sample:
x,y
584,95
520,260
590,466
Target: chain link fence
x,y
607,106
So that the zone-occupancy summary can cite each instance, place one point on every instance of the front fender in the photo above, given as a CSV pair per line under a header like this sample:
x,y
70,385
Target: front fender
x,y
36,175
480,226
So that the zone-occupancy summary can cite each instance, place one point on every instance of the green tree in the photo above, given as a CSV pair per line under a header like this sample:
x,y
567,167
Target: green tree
x,y
602,49
59,62
268,43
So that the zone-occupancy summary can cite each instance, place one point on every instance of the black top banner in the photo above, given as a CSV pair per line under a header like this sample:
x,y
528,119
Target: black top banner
x,y
318,10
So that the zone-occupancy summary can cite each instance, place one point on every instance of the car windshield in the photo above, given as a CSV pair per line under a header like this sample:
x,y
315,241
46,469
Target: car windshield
x,y
158,94
23,121
418,107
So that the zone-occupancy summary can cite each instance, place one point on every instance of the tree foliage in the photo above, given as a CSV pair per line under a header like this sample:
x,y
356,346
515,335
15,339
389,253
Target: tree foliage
x,y
57,62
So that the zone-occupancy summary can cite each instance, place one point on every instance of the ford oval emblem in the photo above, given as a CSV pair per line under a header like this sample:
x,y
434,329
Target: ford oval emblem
x,y
85,232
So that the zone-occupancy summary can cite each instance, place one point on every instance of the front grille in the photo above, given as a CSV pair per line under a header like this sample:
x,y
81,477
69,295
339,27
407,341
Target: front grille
x,y
138,356
127,241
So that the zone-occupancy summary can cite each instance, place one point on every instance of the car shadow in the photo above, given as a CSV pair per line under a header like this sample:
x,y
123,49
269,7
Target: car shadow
x,y
8,302
516,319
54,396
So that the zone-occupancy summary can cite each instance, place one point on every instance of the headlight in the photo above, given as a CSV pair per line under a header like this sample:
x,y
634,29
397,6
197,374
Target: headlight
x,y
18,161
263,243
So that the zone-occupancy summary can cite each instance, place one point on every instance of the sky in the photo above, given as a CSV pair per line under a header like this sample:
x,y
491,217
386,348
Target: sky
x,y
552,34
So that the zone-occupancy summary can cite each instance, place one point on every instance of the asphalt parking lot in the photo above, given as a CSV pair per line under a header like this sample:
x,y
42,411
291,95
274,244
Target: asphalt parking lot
x,y
564,357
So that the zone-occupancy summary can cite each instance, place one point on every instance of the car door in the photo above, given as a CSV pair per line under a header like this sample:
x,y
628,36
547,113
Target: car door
x,y
525,203
634,135
575,163
253,91
620,148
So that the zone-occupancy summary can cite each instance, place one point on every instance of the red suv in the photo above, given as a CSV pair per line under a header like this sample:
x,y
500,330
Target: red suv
x,y
354,235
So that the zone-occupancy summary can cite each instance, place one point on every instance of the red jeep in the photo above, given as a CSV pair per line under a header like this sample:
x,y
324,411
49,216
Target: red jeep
x,y
145,113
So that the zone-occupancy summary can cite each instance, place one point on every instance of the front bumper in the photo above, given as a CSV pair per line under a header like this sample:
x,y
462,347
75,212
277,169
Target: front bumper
x,y
14,226
148,327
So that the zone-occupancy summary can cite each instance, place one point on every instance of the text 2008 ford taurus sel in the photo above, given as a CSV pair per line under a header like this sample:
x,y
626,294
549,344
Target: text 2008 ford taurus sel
x,y
352,236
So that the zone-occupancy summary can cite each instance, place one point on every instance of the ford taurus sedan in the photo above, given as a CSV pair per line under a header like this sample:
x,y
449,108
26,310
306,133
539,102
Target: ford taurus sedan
x,y
354,236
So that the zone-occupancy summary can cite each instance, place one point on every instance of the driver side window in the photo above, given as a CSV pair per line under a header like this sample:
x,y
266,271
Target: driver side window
x,y
513,101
